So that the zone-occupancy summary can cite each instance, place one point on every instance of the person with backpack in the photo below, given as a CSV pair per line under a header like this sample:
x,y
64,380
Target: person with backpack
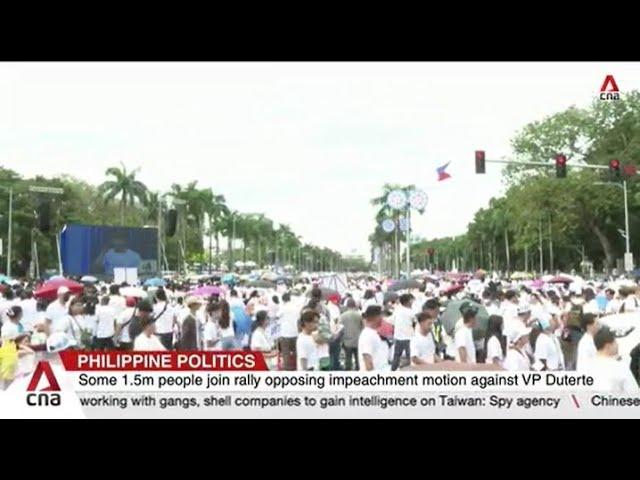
x,y
629,302
572,331
123,320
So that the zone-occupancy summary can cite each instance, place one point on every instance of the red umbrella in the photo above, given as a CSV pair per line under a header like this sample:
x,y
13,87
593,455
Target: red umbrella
x,y
49,289
451,290
560,279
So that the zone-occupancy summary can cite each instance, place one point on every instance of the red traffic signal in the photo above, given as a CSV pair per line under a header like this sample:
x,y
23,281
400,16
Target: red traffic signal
x,y
480,163
614,170
561,166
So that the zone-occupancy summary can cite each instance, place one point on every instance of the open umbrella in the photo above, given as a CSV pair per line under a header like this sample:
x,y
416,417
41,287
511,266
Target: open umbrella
x,y
5,279
390,297
89,279
49,289
155,282
452,290
261,284
561,279
326,293
404,285
206,291
452,314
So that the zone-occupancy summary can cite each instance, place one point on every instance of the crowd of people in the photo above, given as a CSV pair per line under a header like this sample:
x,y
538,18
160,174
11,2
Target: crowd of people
x,y
366,327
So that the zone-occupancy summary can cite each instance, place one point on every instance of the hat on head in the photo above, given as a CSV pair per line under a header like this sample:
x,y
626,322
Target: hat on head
x,y
145,306
518,332
192,301
62,290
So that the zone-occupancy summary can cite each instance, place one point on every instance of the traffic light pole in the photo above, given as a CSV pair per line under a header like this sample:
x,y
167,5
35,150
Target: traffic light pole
x,y
626,217
548,164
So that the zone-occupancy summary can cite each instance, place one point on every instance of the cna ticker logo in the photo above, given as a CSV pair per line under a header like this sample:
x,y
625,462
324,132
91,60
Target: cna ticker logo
x,y
609,89
47,396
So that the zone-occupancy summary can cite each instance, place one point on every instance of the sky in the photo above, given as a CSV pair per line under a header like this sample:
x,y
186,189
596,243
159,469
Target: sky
x,y
307,144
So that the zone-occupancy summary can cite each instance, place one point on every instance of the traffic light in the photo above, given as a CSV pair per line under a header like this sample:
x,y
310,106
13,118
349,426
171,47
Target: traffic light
x,y
614,170
480,166
561,166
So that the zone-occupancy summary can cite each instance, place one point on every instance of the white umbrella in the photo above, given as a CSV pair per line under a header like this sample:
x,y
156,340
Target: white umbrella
x,y
89,279
136,292
626,327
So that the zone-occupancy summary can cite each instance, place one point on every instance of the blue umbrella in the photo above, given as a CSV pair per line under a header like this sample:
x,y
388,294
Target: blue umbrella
x,y
154,282
5,279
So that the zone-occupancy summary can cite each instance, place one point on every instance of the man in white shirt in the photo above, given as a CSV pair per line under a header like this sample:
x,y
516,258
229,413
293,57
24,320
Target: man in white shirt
x,y
465,349
306,348
29,310
586,348
610,374
289,314
165,318
57,311
373,352
423,347
402,329
548,353
147,341
116,301
105,325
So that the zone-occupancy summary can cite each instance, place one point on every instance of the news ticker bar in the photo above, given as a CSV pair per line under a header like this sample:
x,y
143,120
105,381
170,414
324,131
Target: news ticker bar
x,y
246,372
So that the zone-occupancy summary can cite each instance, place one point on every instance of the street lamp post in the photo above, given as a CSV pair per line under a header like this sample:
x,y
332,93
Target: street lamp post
x,y
10,232
628,257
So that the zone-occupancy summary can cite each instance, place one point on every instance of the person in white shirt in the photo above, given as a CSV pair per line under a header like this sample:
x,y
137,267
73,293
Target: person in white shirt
x,y
586,347
29,310
379,295
105,325
116,301
123,321
516,358
494,341
609,373
11,328
147,341
629,302
211,335
465,349
373,352
547,351
288,315
402,329
591,304
261,342
76,325
423,346
306,348
368,299
57,311
165,317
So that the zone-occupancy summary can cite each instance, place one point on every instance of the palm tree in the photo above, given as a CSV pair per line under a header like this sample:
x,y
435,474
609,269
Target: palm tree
x,y
218,211
125,185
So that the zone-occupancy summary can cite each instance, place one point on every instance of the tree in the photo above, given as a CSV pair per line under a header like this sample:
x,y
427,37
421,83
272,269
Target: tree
x,y
126,186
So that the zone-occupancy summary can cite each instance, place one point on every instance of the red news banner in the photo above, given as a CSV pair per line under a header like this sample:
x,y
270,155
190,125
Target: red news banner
x,y
163,361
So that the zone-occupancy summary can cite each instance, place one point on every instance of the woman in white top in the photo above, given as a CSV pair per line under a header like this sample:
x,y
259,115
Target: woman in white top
x,y
147,341
547,350
494,341
227,332
516,358
261,342
78,326
212,334
368,299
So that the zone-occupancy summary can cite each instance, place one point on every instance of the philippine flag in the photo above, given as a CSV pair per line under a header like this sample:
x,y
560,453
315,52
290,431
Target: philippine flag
x,y
442,175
